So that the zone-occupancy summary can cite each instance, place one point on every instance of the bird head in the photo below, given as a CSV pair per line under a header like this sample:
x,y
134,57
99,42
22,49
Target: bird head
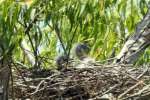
x,y
61,61
81,50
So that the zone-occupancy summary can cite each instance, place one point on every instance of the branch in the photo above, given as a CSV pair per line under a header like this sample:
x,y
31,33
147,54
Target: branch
x,y
137,43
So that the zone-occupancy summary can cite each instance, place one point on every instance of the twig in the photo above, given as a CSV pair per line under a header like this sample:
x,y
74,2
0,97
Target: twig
x,y
142,73
138,93
130,89
109,90
127,74
38,88
21,75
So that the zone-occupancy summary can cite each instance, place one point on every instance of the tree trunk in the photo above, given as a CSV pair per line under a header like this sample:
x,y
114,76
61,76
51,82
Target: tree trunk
x,y
137,43
4,81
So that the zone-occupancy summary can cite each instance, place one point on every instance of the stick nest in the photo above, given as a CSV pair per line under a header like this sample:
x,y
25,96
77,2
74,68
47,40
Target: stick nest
x,y
100,82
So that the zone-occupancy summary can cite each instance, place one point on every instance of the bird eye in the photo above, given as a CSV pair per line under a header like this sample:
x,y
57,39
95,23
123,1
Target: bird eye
x,y
133,51
118,60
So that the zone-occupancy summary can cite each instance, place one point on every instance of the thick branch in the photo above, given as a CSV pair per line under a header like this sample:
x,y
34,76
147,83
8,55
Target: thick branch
x,y
137,43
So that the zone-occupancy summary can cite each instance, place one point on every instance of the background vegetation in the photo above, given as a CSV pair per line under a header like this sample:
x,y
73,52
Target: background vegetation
x,y
34,32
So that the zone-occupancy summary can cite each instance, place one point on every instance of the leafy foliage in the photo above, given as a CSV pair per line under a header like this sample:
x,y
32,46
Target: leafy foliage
x,y
46,28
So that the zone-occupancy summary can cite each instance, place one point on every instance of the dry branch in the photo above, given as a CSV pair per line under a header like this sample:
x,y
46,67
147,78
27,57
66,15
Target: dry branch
x,y
137,43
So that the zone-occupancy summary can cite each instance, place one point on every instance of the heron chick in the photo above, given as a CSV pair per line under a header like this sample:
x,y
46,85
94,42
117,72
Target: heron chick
x,y
81,51
61,61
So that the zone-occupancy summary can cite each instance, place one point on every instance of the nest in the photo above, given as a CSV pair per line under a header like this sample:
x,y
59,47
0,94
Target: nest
x,y
101,82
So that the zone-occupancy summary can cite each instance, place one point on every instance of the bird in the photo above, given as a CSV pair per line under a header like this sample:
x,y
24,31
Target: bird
x,y
81,52
61,61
